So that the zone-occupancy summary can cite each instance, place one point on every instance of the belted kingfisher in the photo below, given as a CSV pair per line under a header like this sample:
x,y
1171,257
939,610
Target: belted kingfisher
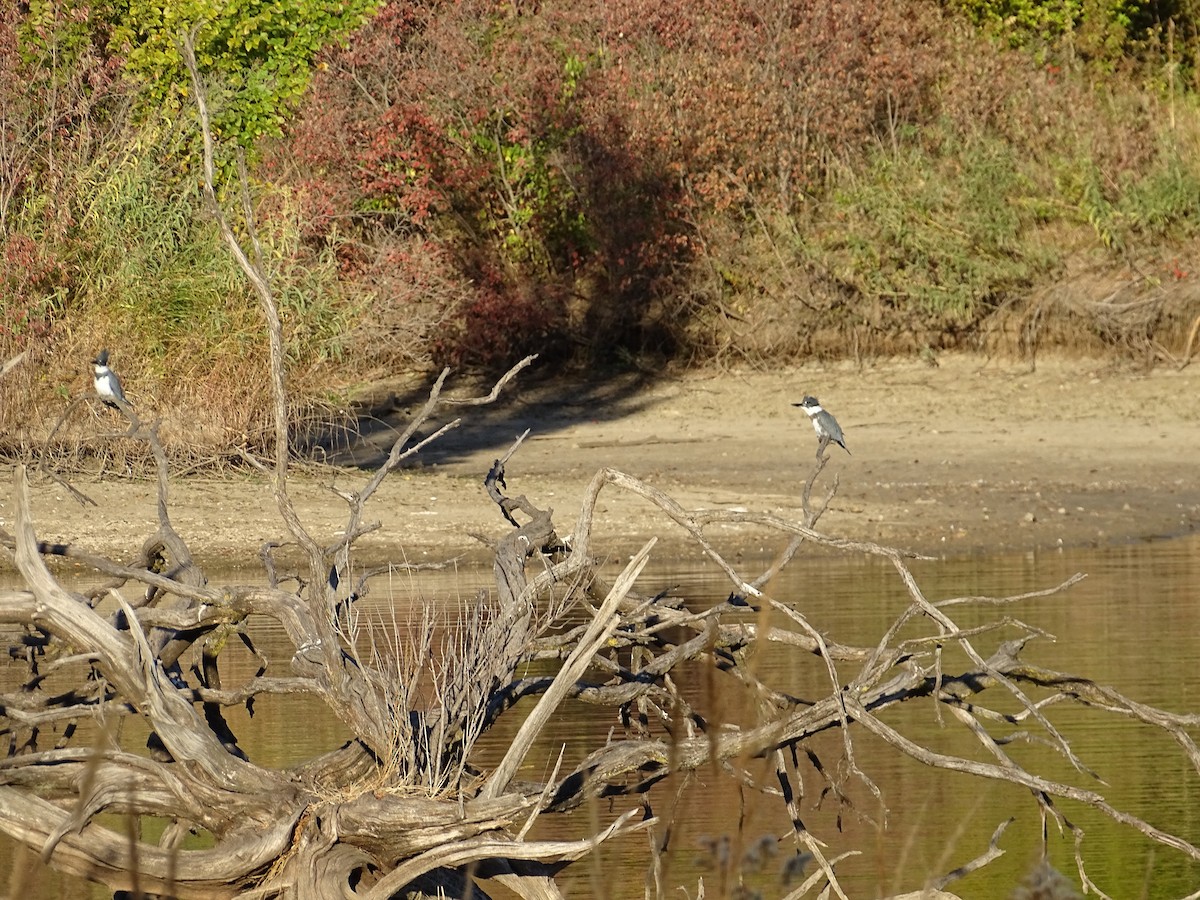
x,y
106,382
824,424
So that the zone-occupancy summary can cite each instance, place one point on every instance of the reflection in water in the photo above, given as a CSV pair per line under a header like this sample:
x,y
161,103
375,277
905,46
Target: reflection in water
x,y
1128,625
1131,624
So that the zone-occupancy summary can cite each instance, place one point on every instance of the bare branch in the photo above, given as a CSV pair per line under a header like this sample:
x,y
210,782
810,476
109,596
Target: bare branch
x,y
593,638
260,282
11,363
1019,776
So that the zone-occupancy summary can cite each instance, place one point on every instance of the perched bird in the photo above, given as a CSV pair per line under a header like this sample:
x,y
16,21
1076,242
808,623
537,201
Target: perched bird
x,y
824,424
106,382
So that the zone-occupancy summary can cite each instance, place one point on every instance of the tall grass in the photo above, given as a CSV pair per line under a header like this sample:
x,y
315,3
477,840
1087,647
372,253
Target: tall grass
x,y
940,232
1164,203
928,233
150,280
151,273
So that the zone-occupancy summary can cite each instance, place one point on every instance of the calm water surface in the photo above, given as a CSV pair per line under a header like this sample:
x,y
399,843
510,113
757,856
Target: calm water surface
x,y
1131,624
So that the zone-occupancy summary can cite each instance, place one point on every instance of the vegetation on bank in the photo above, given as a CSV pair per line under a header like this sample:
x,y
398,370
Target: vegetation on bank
x,y
464,181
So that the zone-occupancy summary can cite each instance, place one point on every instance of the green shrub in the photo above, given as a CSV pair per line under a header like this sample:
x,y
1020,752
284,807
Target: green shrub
x,y
1165,202
1153,202
149,265
256,55
143,271
1098,29
942,233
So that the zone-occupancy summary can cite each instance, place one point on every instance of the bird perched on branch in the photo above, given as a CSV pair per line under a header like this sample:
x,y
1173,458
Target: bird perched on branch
x,y
106,382
823,422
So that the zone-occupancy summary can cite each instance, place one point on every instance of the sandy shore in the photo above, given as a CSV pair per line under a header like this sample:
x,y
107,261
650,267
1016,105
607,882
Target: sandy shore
x,y
972,455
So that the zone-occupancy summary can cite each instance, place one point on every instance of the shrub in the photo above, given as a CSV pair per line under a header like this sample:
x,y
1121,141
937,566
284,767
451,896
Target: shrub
x,y
1099,30
256,54
32,281
570,152
936,234
466,127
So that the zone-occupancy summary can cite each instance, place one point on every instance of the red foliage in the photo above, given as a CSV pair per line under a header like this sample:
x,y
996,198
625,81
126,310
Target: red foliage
x,y
763,95
60,93
500,325
572,149
29,278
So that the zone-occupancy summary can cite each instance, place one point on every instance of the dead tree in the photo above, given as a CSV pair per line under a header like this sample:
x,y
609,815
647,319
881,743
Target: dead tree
x,y
401,810
404,808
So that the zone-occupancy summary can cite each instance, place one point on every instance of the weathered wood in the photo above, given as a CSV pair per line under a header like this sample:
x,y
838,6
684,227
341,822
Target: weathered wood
x,y
590,643
91,851
353,811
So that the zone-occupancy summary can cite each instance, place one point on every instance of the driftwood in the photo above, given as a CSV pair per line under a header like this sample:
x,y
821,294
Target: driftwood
x,y
404,809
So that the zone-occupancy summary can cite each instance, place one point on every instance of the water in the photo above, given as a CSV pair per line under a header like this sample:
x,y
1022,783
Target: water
x,y
1130,624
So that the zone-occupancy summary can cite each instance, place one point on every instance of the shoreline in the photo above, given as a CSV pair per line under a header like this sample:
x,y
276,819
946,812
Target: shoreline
x,y
973,456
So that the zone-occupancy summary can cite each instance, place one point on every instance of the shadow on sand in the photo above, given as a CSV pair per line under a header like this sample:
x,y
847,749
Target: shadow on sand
x,y
542,403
